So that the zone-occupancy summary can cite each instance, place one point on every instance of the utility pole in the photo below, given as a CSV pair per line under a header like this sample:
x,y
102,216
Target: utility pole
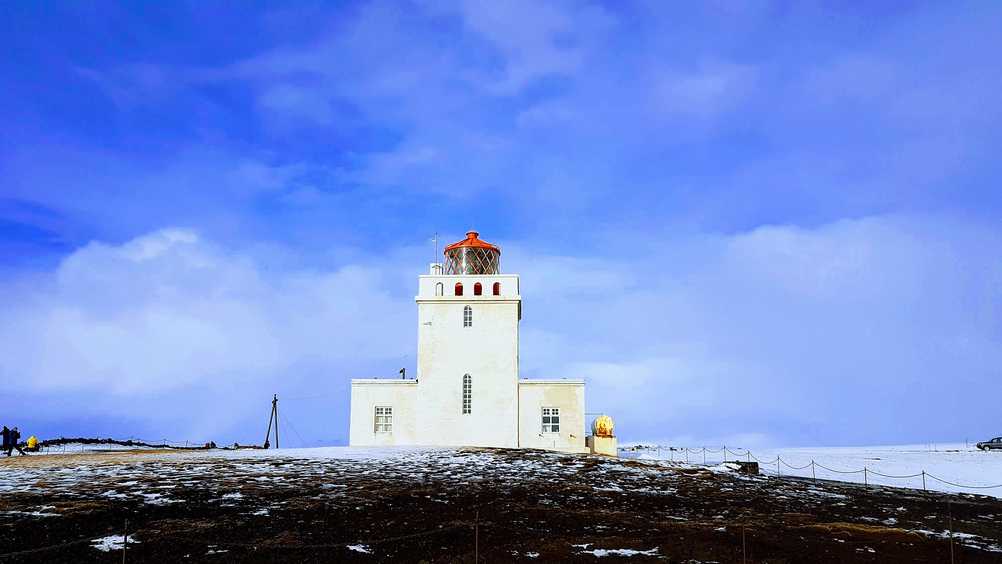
x,y
403,373
273,417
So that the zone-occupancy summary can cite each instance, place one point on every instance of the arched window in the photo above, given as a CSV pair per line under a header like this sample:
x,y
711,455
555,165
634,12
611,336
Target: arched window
x,y
459,288
497,288
439,289
467,316
467,394
478,290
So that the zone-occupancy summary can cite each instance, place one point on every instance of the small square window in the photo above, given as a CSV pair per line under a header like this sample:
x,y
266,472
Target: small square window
x,y
383,420
551,420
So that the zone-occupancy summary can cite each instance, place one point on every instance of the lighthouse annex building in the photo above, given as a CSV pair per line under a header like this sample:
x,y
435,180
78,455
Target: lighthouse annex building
x,y
467,391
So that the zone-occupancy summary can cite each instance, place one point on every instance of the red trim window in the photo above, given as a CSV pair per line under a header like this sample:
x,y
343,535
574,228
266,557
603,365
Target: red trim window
x,y
459,288
478,289
497,288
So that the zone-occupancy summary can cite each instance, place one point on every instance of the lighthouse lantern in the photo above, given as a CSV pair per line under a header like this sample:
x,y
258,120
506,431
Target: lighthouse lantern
x,y
472,256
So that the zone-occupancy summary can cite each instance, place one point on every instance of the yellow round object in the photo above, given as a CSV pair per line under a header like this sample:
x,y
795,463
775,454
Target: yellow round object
x,y
32,442
602,426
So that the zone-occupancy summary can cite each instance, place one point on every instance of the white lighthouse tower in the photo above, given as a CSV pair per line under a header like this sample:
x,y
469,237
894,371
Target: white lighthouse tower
x,y
468,328
467,391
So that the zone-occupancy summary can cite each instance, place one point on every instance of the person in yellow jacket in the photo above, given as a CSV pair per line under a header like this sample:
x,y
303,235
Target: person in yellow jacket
x,y
32,445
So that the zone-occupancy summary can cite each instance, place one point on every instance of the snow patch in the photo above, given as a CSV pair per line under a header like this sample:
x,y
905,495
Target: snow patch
x,y
39,513
602,552
113,542
968,540
725,467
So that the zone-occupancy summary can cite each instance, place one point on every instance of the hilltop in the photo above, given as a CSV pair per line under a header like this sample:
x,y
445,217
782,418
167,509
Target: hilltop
x,y
446,505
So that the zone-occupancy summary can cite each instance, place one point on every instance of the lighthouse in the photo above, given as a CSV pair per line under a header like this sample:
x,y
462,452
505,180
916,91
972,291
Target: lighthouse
x,y
467,390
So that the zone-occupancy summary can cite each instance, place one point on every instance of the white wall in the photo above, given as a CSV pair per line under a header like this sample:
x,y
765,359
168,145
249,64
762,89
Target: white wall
x,y
568,395
487,351
402,395
506,412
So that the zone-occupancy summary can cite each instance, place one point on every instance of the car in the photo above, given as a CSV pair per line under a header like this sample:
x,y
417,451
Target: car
x,y
994,444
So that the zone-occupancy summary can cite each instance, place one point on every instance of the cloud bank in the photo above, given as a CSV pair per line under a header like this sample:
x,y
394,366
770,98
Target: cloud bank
x,y
176,333
776,334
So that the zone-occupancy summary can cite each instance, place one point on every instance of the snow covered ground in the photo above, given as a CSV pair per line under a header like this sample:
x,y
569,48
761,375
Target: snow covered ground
x,y
944,465
975,471
391,504
316,453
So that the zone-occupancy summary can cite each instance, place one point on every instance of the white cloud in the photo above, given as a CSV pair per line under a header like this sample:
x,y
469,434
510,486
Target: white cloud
x,y
535,39
293,101
705,92
117,196
135,327
856,330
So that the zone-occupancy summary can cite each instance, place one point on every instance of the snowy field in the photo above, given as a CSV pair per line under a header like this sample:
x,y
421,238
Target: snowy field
x,y
974,471
344,453
955,468
446,505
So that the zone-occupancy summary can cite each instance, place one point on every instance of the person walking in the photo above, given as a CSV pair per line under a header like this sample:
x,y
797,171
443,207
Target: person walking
x,y
6,440
15,437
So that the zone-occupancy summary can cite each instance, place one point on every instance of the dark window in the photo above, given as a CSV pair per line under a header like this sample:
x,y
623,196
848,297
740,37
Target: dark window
x,y
497,288
478,290
551,419
459,288
467,316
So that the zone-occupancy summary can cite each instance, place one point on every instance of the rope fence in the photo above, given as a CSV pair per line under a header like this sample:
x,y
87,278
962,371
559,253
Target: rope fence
x,y
698,456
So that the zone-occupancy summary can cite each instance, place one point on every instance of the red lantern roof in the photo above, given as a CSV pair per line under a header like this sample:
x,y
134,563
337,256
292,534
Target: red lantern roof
x,y
473,240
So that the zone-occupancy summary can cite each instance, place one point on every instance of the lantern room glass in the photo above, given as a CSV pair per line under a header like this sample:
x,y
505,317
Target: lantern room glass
x,y
472,260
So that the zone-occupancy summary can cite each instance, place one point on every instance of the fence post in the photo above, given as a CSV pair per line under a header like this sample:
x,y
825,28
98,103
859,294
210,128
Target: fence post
x,y
778,471
686,455
742,543
865,481
923,481
949,508
748,454
704,456
813,475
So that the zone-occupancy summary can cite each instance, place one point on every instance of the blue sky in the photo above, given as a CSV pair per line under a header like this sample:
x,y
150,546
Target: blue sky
x,y
752,223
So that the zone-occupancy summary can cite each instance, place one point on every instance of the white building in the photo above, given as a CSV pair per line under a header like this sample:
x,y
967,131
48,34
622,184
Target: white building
x,y
467,391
